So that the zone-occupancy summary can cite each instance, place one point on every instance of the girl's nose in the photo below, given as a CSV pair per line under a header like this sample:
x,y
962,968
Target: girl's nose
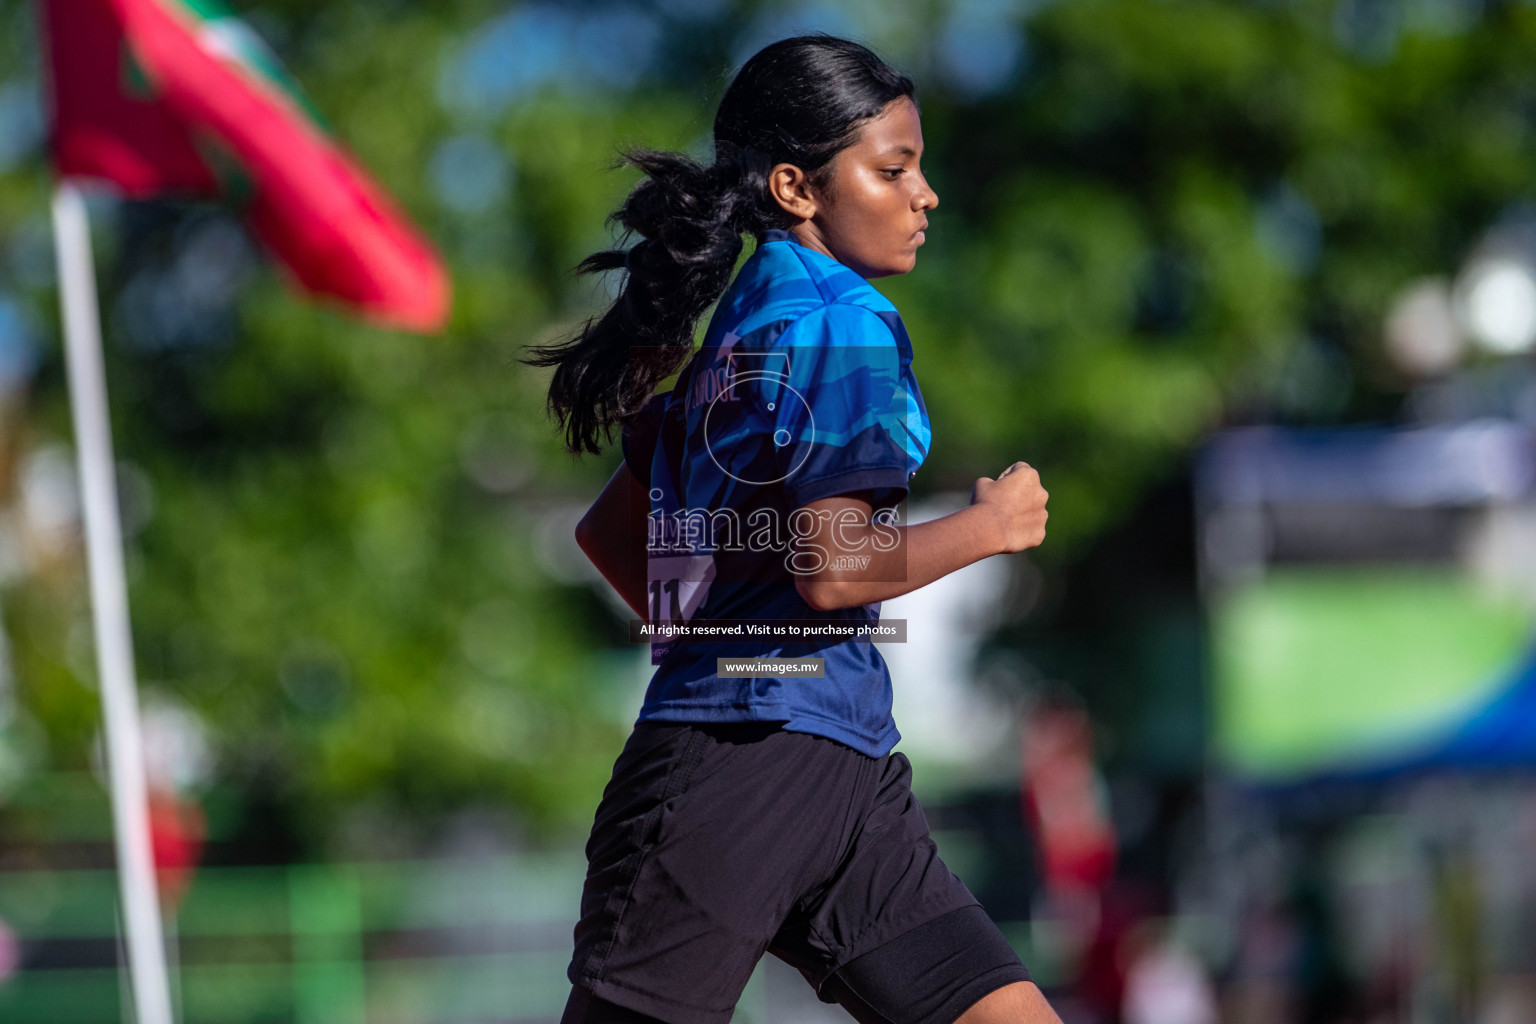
x,y
926,198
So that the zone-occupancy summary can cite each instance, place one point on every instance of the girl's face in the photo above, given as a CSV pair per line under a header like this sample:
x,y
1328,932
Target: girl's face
x,y
871,213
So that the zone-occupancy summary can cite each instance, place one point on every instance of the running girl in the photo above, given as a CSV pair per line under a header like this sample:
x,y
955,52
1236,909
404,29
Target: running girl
x,y
769,813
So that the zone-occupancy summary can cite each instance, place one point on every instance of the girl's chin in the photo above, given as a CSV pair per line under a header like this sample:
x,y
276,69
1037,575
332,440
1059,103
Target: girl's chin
x,y
899,264
889,267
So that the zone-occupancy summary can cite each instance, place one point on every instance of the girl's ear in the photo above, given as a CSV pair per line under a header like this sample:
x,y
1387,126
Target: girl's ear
x,y
791,189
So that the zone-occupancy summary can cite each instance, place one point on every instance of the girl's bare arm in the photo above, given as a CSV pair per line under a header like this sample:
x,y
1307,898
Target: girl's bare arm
x,y
855,561
1006,514
613,535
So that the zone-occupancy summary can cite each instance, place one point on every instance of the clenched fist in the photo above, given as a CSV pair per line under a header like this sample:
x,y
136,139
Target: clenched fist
x,y
1017,503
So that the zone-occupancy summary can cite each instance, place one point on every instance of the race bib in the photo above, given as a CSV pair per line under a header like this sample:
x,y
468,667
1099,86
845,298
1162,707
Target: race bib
x,y
675,590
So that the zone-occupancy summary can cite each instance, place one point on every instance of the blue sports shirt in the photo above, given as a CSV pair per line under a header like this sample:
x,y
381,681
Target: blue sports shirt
x,y
802,389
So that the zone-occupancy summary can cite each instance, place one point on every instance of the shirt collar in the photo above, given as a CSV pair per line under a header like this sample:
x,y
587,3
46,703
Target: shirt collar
x,y
903,343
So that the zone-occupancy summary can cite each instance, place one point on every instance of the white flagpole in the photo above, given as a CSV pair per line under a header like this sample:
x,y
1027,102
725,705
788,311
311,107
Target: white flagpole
x,y
109,606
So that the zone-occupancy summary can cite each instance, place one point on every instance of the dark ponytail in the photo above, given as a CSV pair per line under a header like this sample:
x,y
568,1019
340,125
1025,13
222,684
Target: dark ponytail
x,y
798,101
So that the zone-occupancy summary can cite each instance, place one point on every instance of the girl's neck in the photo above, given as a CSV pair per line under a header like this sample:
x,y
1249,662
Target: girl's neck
x,y
807,234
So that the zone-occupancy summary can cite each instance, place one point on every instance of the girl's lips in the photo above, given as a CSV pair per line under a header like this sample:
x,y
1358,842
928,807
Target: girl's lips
x,y
920,237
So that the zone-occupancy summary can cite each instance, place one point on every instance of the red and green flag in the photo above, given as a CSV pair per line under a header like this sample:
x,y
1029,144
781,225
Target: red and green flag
x,y
178,97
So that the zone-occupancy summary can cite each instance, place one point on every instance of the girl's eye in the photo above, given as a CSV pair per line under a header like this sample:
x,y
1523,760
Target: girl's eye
x,y
892,173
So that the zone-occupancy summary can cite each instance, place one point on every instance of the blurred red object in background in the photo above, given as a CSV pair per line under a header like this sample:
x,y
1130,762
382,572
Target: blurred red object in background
x,y
1065,801
176,832
165,98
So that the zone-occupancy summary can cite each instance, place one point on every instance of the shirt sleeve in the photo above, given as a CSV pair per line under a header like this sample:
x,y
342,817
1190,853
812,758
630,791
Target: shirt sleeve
x,y
839,414
638,438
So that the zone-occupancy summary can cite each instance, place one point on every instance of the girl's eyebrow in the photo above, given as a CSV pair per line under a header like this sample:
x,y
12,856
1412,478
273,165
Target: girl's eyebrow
x,y
900,151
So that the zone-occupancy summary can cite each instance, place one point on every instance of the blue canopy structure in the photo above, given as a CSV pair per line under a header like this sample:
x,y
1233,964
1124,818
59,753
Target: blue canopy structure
x,y
1372,599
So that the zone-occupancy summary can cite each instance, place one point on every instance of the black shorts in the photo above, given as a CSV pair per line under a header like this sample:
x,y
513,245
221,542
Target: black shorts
x,y
716,843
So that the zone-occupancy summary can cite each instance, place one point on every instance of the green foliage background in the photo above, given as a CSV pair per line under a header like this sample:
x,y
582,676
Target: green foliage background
x,y
1174,214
